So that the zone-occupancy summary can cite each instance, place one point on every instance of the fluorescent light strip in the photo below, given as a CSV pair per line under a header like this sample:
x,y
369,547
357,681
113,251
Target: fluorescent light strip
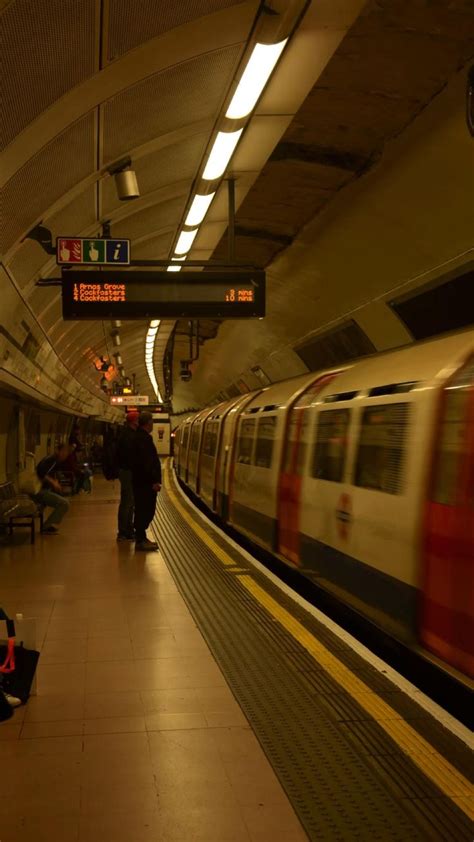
x,y
176,259
185,241
149,352
221,153
198,209
254,78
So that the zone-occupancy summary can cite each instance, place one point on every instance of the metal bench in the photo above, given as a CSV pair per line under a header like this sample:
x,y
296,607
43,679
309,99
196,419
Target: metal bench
x,y
18,511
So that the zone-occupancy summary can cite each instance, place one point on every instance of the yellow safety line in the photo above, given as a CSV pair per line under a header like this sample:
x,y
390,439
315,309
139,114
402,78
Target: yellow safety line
x,y
215,548
445,776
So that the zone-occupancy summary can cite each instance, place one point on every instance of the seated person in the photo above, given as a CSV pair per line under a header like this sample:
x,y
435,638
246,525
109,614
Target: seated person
x,y
81,474
49,494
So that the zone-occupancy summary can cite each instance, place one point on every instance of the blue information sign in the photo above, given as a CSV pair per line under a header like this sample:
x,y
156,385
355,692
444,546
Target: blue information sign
x,y
117,251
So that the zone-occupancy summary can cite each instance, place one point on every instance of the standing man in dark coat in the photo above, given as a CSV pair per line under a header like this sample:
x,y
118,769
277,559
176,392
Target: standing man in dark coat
x,y
125,445
146,476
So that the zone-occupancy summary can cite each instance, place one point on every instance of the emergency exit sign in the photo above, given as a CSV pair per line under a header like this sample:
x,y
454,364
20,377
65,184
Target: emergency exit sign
x,y
92,252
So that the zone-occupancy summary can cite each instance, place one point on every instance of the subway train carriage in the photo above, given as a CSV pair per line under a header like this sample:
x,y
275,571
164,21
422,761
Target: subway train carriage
x,y
363,478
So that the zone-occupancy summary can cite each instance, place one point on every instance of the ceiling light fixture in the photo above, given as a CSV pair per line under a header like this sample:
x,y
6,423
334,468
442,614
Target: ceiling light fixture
x,y
254,78
185,241
198,209
149,352
175,259
221,153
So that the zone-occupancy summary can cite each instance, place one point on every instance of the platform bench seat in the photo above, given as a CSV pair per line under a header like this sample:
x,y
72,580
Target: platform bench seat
x,y
18,510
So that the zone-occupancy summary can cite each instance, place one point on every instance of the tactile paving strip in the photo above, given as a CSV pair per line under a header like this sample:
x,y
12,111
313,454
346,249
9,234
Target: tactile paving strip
x,y
343,785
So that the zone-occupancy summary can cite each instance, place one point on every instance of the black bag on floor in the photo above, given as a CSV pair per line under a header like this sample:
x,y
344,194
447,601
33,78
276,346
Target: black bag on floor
x,y
17,665
6,710
18,682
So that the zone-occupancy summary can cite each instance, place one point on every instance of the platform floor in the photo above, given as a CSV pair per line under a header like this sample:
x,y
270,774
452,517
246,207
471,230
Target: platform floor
x,y
134,735
160,682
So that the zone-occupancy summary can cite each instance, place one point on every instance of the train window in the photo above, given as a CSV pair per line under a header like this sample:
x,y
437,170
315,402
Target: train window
x,y
265,438
194,439
342,396
392,389
185,438
453,436
381,451
210,439
331,445
245,444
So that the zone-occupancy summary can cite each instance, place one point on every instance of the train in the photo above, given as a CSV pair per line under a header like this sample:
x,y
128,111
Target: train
x,y
362,478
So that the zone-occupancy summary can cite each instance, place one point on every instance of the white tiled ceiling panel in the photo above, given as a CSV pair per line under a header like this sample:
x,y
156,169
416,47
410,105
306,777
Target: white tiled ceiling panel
x,y
48,47
184,94
51,314
148,220
132,22
27,262
156,248
73,219
46,177
77,216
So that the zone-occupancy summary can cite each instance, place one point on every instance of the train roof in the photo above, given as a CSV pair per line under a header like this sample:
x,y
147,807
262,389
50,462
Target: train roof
x,y
422,362
426,362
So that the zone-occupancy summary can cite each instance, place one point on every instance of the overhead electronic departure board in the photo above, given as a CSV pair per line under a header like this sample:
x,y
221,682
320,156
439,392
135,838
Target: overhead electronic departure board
x,y
157,294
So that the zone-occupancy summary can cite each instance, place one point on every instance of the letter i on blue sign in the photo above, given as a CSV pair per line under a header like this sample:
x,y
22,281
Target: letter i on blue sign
x,y
116,251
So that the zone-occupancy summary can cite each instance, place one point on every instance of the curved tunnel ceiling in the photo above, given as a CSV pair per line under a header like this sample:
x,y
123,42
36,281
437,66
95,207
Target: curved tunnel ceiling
x,y
88,83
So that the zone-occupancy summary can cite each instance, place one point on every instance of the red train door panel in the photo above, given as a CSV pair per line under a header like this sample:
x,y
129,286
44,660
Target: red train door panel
x,y
447,600
290,480
289,490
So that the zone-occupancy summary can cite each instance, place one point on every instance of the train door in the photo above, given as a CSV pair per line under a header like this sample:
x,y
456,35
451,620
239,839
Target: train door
x,y
226,454
183,452
447,598
290,480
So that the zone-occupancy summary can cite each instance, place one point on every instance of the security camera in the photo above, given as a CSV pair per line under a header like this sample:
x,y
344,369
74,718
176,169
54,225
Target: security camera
x,y
127,185
125,180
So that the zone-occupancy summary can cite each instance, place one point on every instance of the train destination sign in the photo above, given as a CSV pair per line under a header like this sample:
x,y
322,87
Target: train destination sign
x,y
158,294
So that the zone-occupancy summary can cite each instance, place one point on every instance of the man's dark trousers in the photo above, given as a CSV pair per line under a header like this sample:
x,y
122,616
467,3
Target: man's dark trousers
x,y
145,505
125,512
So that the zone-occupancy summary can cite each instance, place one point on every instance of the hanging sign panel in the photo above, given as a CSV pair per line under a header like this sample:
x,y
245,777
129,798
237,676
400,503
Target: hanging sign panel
x,y
90,252
159,295
129,400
